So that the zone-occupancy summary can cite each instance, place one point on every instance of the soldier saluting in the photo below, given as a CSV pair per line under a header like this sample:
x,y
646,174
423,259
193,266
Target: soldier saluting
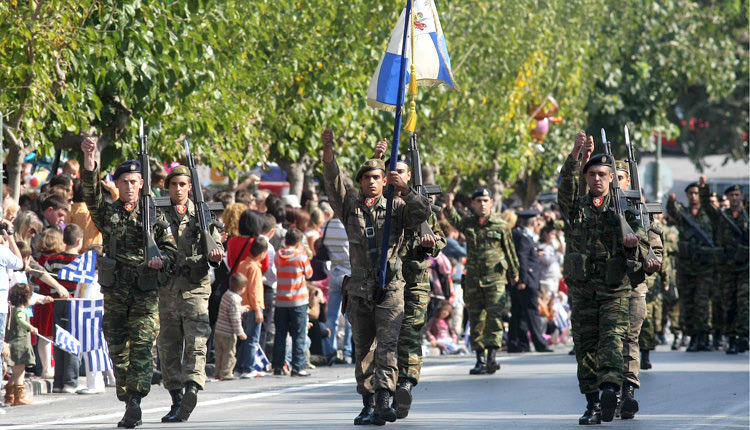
x,y
129,284
373,317
183,303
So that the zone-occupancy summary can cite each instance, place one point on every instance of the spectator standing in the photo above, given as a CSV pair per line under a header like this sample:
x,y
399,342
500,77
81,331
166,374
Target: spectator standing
x,y
10,259
229,327
337,244
252,301
269,286
19,339
551,259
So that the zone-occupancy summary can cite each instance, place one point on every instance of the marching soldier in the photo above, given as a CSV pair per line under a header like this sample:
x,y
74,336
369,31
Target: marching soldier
x,y
731,227
696,257
373,313
596,270
491,262
129,285
183,303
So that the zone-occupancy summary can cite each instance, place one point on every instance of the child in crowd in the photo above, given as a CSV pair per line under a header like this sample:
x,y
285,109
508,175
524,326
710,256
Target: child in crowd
x,y
229,327
19,339
440,331
252,299
292,270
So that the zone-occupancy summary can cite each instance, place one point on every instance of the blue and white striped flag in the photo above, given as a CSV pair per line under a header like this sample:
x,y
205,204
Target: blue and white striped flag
x,y
562,318
82,269
65,341
86,322
99,360
431,58
261,362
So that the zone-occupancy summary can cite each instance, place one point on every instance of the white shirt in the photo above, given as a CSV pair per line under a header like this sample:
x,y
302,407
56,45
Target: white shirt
x,y
8,261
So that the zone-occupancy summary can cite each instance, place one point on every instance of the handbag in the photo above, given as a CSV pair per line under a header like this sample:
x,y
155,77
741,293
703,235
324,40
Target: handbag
x,y
319,262
323,253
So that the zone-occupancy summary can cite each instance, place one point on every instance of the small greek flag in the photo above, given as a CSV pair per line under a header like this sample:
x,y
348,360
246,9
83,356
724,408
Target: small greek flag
x,y
82,269
261,362
86,322
99,360
562,318
65,341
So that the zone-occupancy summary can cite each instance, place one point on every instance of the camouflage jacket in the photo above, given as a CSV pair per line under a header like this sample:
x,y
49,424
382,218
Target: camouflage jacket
x,y
409,211
733,244
122,230
415,257
596,261
694,254
642,282
490,253
190,277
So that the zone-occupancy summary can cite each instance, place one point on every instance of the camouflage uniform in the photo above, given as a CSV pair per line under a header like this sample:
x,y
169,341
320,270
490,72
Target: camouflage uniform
x,y
695,269
371,321
733,265
183,304
491,259
131,321
596,271
416,297
670,293
653,322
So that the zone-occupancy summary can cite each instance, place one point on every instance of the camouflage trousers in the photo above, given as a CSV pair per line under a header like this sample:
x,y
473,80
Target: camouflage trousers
x,y
485,306
416,298
670,307
375,330
717,315
631,353
736,296
183,336
651,325
695,300
131,323
599,325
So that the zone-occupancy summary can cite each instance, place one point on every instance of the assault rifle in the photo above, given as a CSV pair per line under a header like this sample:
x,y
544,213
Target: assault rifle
x,y
620,202
148,206
202,209
644,211
419,186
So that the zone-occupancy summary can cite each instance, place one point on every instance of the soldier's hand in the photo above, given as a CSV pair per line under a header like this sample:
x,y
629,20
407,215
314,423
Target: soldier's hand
x,y
216,255
398,182
448,201
428,241
702,181
155,263
327,138
672,197
88,146
521,287
380,148
631,240
652,266
578,145
515,279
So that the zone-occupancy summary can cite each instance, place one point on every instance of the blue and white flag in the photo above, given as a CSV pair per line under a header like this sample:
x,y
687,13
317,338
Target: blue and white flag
x,y
82,269
86,322
562,318
433,64
65,341
99,360
261,362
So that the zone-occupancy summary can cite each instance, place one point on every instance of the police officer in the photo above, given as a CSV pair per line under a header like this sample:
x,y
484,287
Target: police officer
x,y
491,261
373,313
183,302
731,227
129,285
696,257
414,253
596,270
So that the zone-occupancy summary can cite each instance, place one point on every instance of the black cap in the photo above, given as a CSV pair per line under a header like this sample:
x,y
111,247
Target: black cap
x,y
598,160
130,166
691,185
481,192
528,213
735,187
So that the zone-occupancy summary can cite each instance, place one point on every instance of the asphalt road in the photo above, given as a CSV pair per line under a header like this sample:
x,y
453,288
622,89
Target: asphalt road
x,y
531,391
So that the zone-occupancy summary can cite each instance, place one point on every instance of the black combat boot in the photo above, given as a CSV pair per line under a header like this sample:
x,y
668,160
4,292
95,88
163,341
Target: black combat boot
x,y
132,415
402,398
693,347
189,400
716,344
365,416
628,403
481,367
593,412
645,360
661,338
676,342
171,416
609,400
492,364
383,411
704,342
742,344
732,348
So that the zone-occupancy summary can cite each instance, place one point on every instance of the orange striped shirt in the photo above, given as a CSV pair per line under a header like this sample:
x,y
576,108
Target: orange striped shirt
x,y
292,271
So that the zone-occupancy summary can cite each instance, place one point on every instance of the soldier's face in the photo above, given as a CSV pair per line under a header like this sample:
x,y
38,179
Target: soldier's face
x,y
735,199
129,185
403,171
598,179
482,205
693,196
372,183
624,179
179,187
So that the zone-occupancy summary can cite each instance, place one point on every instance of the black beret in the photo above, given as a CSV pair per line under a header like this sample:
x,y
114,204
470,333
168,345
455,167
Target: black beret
x,y
691,185
598,160
735,187
481,192
130,166
528,213
402,158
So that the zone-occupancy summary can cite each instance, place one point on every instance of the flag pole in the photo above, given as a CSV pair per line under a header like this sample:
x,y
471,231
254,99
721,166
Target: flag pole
x,y
394,149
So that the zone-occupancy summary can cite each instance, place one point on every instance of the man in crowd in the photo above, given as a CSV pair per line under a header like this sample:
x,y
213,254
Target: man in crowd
x,y
129,284
375,313
183,302
491,262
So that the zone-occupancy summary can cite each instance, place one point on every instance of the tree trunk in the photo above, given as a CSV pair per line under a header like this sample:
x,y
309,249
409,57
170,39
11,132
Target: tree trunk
x,y
297,173
15,166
